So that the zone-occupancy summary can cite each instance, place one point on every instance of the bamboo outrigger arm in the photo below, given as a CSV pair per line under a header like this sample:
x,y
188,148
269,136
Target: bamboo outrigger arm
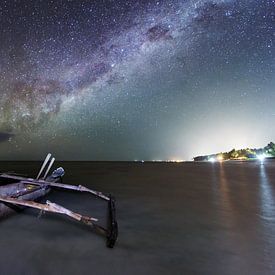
x,y
57,184
80,188
55,208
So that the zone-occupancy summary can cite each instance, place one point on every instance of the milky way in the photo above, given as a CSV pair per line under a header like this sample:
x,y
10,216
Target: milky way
x,y
133,79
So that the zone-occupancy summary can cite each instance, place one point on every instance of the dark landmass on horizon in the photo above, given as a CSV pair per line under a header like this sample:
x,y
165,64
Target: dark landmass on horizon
x,y
241,154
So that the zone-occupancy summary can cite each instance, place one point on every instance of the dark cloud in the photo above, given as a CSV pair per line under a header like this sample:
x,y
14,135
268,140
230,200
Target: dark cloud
x,y
5,136
158,32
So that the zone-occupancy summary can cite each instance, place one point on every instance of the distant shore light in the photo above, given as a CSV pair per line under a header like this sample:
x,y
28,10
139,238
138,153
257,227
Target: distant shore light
x,y
212,159
261,157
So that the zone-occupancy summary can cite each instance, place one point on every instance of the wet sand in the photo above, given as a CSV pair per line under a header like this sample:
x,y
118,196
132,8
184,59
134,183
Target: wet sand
x,y
174,218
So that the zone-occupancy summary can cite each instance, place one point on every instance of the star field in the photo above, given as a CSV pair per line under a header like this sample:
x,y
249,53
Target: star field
x,y
125,80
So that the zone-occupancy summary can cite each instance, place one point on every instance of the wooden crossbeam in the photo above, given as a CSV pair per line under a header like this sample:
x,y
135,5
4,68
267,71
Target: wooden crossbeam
x,y
50,207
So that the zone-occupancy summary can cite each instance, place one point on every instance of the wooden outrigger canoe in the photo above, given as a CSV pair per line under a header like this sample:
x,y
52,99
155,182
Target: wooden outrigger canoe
x,y
18,192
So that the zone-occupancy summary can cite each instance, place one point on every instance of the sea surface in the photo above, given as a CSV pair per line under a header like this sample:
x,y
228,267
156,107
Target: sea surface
x,y
174,218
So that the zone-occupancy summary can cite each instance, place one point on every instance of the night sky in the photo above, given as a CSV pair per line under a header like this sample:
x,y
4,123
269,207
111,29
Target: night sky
x,y
132,79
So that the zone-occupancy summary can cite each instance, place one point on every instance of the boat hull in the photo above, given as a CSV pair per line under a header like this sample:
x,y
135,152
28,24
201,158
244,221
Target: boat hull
x,y
20,191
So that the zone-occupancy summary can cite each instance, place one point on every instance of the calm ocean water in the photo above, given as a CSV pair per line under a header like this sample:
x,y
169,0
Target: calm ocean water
x,y
174,218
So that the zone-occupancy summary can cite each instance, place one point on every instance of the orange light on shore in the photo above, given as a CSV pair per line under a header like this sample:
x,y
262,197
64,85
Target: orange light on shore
x,y
176,160
220,158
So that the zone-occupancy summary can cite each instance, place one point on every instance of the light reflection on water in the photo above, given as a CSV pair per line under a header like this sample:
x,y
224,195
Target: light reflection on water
x,y
267,214
266,195
243,195
225,200
223,195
